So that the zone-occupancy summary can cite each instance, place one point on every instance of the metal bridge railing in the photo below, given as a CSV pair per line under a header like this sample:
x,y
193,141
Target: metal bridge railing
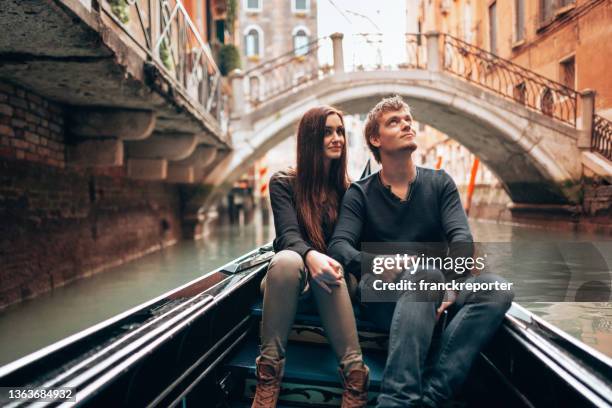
x,y
509,79
432,51
163,31
290,71
416,52
601,140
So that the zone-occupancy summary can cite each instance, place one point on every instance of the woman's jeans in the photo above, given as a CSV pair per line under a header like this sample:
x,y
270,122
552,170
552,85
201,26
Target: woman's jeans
x,y
286,287
415,375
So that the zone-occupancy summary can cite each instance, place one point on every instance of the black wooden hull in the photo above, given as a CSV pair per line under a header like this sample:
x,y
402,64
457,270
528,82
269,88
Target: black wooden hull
x,y
175,349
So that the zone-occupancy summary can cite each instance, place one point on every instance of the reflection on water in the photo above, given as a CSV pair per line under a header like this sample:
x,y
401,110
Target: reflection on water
x,y
590,322
33,324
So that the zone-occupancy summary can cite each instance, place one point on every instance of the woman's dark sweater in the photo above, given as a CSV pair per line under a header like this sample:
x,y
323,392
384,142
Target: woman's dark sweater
x,y
289,235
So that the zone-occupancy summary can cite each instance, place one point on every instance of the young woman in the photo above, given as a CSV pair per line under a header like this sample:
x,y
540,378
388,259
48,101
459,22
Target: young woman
x,y
305,203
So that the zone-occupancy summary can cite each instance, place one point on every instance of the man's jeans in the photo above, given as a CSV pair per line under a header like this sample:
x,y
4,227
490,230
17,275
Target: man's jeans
x,y
415,375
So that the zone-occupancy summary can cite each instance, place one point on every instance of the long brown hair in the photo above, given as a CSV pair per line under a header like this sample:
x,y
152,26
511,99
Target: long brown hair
x,y
316,197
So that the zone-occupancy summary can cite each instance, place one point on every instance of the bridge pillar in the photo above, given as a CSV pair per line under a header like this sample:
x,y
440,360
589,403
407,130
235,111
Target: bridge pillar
x,y
147,169
180,174
124,124
585,118
338,52
433,51
92,153
164,145
237,79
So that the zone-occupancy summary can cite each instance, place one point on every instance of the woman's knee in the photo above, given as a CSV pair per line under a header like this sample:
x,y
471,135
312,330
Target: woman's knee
x,y
286,268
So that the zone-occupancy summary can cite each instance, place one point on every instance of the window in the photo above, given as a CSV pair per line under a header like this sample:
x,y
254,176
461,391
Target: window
x,y
300,6
253,40
519,20
549,9
567,72
252,5
546,10
493,28
300,41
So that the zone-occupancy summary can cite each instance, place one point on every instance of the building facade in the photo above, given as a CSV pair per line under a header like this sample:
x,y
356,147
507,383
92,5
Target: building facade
x,y
271,28
567,41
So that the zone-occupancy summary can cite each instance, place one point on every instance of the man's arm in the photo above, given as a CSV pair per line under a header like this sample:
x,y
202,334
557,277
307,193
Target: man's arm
x,y
347,234
454,221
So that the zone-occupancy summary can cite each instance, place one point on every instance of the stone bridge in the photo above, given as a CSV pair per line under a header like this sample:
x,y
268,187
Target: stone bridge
x,y
530,131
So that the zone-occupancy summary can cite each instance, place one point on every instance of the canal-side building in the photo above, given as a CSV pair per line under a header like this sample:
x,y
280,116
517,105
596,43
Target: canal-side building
x,y
438,150
271,28
563,40
110,114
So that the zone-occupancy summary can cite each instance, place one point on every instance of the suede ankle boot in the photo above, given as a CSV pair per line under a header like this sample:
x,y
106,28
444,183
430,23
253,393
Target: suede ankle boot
x,y
355,384
269,376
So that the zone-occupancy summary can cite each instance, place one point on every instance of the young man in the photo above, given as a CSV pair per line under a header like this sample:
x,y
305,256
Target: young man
x,y
406,203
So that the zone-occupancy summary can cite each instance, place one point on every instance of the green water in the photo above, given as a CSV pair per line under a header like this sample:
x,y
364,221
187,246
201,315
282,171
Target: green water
x,y
36,323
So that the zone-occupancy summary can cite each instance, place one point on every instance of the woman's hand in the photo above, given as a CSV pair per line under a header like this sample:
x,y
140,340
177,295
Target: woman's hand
x,y
324,270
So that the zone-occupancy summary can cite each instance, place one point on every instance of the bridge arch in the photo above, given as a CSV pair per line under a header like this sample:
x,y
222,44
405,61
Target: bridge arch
x,y
535,157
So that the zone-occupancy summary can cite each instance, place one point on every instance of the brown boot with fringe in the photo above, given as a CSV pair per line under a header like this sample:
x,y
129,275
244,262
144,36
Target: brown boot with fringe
x,y
355,384
269,376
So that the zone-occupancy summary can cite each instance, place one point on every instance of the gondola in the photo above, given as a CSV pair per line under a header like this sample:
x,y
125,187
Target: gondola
x,y
195,346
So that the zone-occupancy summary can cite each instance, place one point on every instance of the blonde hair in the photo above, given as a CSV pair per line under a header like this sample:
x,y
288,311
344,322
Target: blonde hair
x,y
391,104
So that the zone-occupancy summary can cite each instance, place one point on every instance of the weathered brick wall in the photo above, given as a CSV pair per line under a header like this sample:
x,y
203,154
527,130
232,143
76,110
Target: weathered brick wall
x,y
31,128
598,201
59,223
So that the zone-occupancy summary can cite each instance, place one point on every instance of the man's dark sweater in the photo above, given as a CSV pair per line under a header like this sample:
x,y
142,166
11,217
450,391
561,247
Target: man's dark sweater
x,y
370,212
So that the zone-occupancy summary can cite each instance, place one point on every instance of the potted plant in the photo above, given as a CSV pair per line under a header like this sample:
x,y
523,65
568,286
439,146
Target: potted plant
x,y
121,9
164,54
229,59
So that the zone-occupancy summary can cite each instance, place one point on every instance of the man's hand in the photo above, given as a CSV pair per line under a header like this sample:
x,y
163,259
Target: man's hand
x,y
451,296
324,270
389,274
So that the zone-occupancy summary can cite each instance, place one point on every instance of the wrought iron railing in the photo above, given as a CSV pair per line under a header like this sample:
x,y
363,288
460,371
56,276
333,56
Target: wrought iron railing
x,y
601,140
416,52
509,79
288,72
164,33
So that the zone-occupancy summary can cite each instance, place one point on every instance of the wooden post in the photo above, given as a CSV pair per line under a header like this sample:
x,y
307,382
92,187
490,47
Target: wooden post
x,y
471,185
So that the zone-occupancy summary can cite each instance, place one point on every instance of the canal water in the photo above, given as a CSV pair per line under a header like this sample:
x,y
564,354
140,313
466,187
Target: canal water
x,y
33,324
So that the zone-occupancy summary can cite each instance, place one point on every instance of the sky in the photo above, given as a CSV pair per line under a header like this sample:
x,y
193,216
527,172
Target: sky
x,y
383,20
